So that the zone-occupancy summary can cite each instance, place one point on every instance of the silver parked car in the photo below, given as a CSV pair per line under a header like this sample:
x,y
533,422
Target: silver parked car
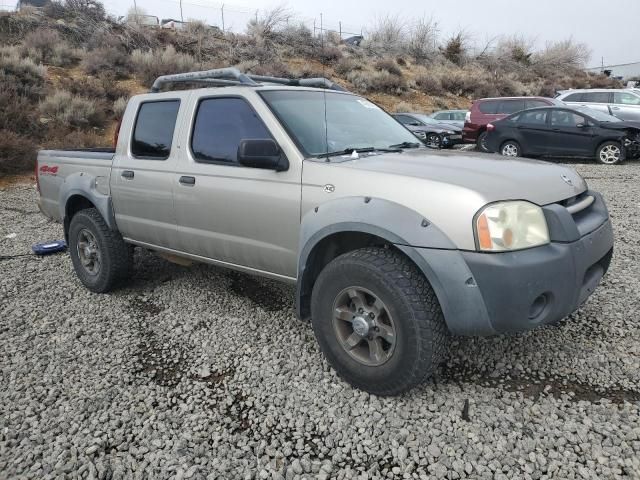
x,y
452,117
621,103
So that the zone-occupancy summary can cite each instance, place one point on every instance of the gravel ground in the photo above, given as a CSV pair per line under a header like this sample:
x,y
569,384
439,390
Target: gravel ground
x,y
204,373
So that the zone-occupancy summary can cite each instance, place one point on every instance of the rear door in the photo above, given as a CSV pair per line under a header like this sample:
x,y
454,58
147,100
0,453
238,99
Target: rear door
x,y
626,105
230,213
571,134
141,177
532,131
597,100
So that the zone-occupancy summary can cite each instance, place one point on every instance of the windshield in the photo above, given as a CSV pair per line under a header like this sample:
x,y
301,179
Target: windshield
x,y
426,119
598,115
351,121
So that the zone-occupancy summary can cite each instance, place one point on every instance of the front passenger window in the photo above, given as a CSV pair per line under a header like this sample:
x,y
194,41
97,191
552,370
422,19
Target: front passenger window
x,y
564,118
220,125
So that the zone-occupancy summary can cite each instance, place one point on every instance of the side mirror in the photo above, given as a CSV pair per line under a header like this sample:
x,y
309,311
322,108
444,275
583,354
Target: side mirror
x,y
415,124
262,153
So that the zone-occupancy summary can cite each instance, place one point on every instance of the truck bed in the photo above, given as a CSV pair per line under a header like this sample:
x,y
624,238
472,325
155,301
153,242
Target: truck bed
x,y
54,167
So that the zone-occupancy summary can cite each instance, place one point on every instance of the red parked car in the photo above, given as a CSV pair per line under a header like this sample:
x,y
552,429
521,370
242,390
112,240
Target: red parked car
x,y
487,110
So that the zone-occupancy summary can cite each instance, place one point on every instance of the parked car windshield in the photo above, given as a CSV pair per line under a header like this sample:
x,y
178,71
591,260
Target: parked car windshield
x,y
426,119
598,115
348,122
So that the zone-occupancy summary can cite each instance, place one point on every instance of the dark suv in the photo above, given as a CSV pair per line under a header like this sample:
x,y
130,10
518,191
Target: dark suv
x,y
487,110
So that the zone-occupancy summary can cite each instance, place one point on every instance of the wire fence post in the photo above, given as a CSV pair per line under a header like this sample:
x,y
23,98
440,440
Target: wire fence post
x,y
181,16
222,14
135,10
314,28
340,29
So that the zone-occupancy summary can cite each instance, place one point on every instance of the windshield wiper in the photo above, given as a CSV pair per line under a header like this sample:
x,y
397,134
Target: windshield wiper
x,y
405,145
350,150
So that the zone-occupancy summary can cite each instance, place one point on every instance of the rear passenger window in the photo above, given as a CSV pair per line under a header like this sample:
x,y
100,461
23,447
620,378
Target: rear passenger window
x,y
596,97
490,106
537,117
511,106
220,125
442,116
536,103
624,98
574,97
153,130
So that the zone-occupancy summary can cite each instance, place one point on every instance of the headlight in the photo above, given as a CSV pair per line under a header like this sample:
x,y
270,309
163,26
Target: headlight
x,y
512,225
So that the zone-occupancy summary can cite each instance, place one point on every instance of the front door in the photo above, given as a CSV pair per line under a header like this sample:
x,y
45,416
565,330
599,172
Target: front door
x,y
571,134
230,213
141,180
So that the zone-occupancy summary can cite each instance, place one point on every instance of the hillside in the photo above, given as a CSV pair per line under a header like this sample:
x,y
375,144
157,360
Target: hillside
x,y
67,70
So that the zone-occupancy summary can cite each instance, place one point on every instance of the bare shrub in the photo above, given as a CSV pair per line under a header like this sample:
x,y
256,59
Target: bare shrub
x,y
276,69
119,106
21,73
516,48
17,153
429,84
17,110
455,49
388,34
150,65
307,70
346,64
403,107
602,81
377,81
299,40
91,9
328,54
269,23
107,59
72,111
561,56
388,65
41,44
422,39
60,137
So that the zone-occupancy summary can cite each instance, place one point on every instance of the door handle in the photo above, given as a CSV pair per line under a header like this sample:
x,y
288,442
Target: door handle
x,y
127,174
187,180
615,108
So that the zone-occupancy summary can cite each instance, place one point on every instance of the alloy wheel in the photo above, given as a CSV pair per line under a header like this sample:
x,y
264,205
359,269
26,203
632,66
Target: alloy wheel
x,y
89,252
363,326
510,150
610,154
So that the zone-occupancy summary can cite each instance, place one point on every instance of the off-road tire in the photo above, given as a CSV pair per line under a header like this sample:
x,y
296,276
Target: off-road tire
x,y
422,336
116,255
481,144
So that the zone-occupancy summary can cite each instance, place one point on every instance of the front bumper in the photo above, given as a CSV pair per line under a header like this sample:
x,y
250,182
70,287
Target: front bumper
x,y
491,293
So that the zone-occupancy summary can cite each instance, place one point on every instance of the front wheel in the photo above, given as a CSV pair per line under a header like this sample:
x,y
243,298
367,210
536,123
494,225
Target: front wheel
x,y
433,140
378,321
510,148
609,153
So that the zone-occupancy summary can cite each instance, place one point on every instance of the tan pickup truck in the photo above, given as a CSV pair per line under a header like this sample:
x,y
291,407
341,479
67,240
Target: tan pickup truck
x,y
393,246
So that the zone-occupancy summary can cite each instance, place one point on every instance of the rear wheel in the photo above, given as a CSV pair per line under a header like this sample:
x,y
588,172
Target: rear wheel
x,y
481,142
378,321
609,153
510,148
100,256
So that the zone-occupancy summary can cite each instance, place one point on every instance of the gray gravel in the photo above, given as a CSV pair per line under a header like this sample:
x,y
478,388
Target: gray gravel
x,y
203,373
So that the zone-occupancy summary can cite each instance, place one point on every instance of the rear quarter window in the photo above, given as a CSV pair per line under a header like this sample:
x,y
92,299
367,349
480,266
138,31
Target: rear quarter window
x,y
489,107
574,97
511,106
153,130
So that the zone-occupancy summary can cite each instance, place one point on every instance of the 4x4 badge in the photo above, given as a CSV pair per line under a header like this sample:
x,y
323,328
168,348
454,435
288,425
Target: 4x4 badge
x,y
567,180
329,188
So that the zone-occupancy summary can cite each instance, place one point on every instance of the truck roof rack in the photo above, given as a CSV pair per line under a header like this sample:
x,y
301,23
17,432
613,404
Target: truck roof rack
x,y
222,77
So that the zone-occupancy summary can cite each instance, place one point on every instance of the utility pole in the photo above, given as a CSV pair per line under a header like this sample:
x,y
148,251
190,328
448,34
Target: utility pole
x,y
181,17
340,29
135,9
321,29
222,14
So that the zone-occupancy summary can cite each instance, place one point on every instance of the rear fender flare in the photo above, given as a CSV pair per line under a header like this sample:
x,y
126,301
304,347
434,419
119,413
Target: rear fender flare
x,y
85,186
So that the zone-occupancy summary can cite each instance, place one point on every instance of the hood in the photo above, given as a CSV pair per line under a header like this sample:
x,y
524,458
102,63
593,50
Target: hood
x,y
492,177
621,125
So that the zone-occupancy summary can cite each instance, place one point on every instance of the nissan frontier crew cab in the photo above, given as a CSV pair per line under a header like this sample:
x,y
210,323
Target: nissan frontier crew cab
x,y
392,246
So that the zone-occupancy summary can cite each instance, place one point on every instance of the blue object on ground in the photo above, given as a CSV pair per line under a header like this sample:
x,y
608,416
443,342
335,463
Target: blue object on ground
x,y
46,248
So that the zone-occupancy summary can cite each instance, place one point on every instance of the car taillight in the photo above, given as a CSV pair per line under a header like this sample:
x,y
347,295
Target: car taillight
x,y
490,127
37,177
467,117
116,134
